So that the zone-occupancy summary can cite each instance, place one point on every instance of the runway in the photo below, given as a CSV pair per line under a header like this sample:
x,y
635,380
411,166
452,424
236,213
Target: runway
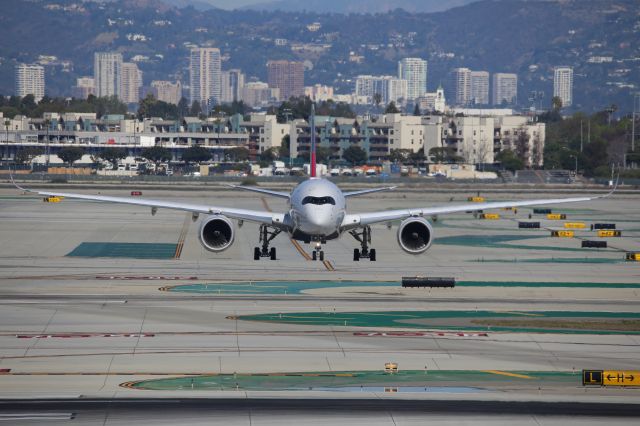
x,y
73,325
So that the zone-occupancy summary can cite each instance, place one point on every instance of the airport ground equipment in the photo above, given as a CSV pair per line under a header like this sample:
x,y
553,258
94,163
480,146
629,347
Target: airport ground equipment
x,y
431,282
556,216
542,211
490,216
529,225
562,234
575,225
594,244
606,233
632,257
604,226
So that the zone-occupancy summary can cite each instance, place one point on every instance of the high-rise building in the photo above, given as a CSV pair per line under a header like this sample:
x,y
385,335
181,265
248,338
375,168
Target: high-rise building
x,y
204,76
232,82
107,73
30,81
84,87
505,88
257,93
563,84
288,76
414,70
387,87
461,85
479,88
432,102
130,83
167,91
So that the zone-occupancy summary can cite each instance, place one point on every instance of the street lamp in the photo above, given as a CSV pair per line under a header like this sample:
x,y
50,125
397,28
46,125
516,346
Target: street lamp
x,y
7,123
575,157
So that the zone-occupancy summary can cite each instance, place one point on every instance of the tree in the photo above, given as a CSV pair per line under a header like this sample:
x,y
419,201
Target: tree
x,y
112,155
71,154
322,154
355,155
416,111
391,108
510,160
556,103
196,154
27,154
183,107
377,99
285,147
238,154
269,155
417,157
156,154
151,107
196,109
444,155
399,155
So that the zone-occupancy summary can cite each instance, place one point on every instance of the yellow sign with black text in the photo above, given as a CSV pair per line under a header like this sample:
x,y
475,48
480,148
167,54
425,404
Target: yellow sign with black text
x,y
610,378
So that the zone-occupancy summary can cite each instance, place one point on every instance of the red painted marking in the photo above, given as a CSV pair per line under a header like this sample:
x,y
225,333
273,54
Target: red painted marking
x,y
68,336
418,334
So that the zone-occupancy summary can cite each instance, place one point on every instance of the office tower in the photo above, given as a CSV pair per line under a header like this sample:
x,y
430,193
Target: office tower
x,y
204,76
30,81
131,83
84,87
389,88
288,76
563,84
107,73
167,91
414,70
505,88
232,82
479,88
461,85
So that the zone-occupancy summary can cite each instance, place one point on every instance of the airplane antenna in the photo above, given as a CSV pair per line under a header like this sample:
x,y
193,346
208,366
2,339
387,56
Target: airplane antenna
x,y
312,123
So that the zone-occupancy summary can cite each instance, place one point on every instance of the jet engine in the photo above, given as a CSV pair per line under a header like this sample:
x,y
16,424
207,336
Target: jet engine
x,y
415,235
216,233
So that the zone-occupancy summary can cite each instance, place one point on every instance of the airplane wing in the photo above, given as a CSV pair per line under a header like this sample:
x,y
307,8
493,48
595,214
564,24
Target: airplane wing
x,y
239,214
367,191
261,191
363,219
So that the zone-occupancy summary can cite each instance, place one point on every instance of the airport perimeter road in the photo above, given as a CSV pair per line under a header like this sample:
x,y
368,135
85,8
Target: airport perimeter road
x,y
107,301
317,411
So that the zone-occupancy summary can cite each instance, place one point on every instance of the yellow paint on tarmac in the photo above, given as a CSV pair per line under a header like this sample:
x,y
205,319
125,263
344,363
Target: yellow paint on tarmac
x,y
506,373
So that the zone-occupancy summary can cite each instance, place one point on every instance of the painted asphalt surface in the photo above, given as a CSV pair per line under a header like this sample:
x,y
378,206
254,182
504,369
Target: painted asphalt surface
x,y
299,287
363,381
444,320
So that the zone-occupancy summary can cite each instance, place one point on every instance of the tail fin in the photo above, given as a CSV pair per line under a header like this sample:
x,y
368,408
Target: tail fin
x,y
312,124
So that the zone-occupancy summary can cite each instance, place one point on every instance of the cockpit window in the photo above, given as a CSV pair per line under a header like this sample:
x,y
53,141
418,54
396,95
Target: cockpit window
x,y
319,201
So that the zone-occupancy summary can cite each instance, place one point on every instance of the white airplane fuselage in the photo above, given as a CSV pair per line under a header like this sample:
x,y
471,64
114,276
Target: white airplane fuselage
x,y
317,208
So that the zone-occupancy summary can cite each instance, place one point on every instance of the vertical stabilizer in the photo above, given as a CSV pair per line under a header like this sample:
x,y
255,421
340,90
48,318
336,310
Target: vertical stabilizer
x,y
312,124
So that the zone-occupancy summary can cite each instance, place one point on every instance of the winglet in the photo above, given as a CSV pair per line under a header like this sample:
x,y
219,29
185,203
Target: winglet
x,y
615,186
14,182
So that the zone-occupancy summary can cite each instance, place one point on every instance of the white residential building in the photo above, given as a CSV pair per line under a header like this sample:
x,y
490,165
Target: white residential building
x,y
30,81
432,102
271,132
319,92
258,93
232,82
414,70
461,85
389,88
479,87
204,76
505,88
130,83
84,87
167,91
520,135
563,84
107,73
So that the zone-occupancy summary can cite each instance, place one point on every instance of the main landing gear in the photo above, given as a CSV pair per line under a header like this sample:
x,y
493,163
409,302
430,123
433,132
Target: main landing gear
x,y
267,234
364,238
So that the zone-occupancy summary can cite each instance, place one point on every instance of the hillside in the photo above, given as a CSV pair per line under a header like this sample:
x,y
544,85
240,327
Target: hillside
x,y
528,38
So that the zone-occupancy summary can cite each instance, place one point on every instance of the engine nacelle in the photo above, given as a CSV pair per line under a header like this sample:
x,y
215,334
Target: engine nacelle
x,y
216,233
415,235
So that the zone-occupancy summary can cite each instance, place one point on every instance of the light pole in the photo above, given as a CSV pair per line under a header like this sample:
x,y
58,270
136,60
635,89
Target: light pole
x,y
575,157
46,123
7,123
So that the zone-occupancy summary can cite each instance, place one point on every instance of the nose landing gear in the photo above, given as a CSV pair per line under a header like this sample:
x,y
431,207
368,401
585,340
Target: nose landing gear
x,y
318,253
364,238
267,234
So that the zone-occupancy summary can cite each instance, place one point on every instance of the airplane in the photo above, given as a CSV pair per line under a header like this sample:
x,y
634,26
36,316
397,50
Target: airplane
x,y
317,213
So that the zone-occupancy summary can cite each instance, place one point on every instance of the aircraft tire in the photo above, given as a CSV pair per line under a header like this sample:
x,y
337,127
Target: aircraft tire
x,y
272,253
356,255
256,253
372,255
